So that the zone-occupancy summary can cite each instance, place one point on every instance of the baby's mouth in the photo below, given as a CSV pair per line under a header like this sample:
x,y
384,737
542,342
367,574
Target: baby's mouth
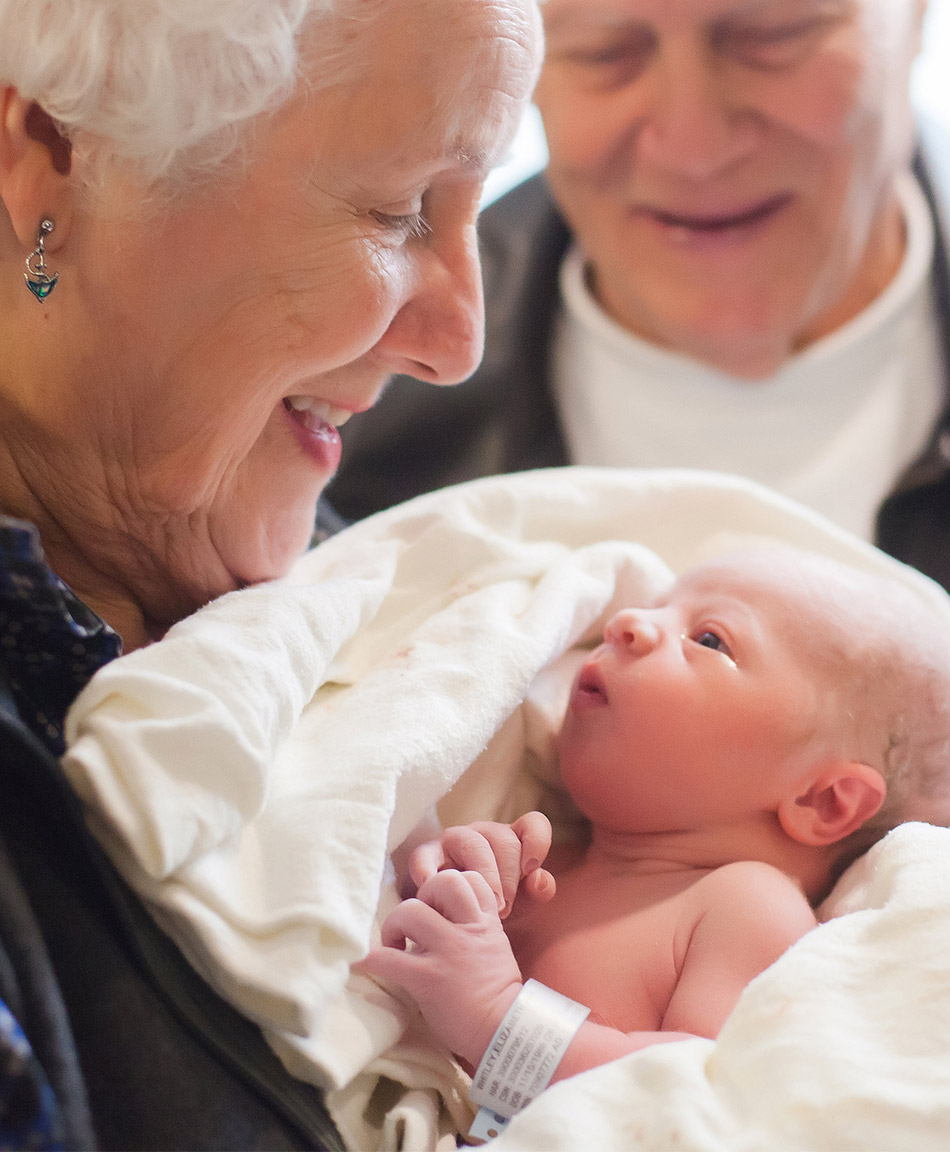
x,y
590,686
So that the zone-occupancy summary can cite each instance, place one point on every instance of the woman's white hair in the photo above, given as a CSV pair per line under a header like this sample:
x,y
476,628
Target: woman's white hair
x,y
166,84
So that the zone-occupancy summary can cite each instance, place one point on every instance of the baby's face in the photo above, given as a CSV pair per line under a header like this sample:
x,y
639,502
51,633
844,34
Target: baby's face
x,y
703,707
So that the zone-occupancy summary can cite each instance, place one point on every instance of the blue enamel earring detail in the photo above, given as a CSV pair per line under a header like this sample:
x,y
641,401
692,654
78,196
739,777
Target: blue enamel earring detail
x,y
38,280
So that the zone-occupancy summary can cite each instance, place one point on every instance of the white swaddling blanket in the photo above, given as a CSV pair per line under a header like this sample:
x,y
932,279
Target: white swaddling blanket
x,y
251,774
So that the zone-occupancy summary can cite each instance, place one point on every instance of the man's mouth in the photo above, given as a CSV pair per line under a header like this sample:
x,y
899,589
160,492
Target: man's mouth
x,y
719,223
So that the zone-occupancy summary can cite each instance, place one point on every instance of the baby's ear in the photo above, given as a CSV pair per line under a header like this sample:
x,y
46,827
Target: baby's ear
x,y
835,803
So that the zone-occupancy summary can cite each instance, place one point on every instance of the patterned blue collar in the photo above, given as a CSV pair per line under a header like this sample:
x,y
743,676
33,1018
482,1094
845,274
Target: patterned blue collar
x,y
50,642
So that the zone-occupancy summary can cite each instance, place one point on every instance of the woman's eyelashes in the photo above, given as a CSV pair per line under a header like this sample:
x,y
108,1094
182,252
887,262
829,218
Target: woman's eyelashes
x,y
406,225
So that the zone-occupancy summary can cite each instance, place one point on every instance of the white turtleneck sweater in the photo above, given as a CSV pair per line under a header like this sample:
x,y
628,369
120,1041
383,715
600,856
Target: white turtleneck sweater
x,y
833,428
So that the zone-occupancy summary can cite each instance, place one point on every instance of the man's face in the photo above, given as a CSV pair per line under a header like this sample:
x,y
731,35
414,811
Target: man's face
x,y
728,166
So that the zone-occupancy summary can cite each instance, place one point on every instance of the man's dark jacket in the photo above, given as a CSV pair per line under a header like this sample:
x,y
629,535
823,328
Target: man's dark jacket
x,y
503,419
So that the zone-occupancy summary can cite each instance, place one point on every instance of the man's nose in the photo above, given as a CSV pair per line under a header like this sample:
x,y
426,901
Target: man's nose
x,y
693,122
633,631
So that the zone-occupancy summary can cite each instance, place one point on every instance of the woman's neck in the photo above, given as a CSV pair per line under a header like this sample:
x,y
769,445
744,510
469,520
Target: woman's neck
x,y
98,585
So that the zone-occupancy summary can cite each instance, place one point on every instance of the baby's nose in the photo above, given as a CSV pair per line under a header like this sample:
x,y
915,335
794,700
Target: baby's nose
x,y
632,630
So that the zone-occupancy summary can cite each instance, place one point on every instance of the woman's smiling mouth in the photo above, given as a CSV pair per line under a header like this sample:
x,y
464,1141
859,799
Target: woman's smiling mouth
x,y
313,413
314,423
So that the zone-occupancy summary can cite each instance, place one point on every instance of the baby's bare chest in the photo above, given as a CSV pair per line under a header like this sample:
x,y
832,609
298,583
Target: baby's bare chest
x,y
616,948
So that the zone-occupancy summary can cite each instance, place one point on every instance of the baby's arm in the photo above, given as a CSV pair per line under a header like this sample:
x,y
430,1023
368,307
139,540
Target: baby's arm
x,y
748,915
448,950
751,913
463,976
505,855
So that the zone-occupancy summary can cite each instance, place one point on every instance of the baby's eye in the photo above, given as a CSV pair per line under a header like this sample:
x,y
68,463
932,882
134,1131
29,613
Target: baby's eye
x,y
709,639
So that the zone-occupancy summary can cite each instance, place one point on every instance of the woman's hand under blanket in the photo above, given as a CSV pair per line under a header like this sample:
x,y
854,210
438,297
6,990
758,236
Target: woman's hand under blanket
x,y
506,856
448,950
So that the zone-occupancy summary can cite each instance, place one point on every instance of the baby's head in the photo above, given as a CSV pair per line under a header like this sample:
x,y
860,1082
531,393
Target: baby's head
x,y
769,683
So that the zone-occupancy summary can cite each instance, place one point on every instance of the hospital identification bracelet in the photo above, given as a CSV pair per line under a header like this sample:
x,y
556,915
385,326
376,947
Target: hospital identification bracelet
x,y
523,1055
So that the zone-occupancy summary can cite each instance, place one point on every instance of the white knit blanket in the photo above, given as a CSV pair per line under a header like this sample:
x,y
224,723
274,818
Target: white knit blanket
x,y
251,774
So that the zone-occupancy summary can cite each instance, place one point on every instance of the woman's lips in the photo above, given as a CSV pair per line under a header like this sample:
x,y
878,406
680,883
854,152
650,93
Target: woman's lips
x,y
714,228
588,690
315,427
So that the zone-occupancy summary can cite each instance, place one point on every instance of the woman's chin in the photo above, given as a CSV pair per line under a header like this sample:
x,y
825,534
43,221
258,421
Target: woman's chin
x,y
264,550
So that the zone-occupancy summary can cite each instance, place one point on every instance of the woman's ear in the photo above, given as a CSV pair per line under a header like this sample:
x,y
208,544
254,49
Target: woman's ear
x,y
35,162
836,802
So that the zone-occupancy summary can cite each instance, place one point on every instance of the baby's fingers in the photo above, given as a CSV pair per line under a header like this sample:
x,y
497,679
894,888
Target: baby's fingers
x,y
448,899
533,830
459,897
393,967
540,885
425,861
467,848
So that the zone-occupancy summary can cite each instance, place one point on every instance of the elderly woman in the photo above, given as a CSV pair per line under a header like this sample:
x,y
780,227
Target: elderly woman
x,y
223,226
739,269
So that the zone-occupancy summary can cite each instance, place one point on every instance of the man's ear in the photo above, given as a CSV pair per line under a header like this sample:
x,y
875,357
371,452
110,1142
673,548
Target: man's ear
x,y
35,163
835,803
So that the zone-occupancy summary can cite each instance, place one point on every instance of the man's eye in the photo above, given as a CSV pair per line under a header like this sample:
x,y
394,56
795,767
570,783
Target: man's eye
x,y
770,46
611,61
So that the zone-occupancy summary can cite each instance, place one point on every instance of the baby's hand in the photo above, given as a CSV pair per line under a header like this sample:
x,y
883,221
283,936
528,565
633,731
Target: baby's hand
x,y
505,855
448,950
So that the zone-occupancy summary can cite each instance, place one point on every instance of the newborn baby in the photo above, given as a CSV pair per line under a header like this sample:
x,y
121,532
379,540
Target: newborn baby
x,y
733,746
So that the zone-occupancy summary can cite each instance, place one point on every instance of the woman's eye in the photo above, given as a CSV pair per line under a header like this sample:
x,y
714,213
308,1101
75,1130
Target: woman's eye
x,y
410,225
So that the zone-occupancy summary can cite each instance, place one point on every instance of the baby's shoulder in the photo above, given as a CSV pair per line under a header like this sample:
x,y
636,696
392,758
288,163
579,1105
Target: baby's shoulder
x,y
752,887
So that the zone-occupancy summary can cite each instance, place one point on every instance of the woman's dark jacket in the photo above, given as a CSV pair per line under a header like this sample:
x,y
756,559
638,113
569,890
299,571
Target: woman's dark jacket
x,y
140,1052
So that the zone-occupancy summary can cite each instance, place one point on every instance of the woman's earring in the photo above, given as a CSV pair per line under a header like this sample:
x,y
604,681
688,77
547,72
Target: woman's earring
x,y
38,280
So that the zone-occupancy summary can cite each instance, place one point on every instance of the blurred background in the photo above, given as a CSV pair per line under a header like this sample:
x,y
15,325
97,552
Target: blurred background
x,y
931,92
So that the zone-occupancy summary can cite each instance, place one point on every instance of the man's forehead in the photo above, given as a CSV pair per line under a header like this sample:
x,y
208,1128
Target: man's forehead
x,y
558,14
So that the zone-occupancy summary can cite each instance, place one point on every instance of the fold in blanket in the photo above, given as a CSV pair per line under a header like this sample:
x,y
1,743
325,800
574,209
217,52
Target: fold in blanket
x,y
252,773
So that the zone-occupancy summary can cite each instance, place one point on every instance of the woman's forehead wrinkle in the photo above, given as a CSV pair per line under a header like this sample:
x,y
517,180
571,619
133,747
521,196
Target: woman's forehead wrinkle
x,y
479,111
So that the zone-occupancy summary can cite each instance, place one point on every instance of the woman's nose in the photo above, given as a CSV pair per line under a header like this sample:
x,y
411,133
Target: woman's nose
x,y
438,334
633,631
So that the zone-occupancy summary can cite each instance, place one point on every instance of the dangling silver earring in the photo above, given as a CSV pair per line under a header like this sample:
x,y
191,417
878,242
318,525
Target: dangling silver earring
x,y
38,280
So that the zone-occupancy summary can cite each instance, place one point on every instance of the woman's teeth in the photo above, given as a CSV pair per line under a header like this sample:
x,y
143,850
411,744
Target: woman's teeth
x,y
317,409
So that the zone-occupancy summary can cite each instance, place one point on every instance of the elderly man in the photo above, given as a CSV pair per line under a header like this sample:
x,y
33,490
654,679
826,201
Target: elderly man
x,y
741,268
